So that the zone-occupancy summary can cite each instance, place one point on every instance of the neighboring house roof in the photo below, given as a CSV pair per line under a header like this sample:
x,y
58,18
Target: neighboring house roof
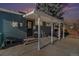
x,y
9,11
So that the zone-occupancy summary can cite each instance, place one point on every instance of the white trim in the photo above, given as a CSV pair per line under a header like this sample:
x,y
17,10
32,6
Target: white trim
x,y
59,31
39,41
27,14
52,27
5,10
63,31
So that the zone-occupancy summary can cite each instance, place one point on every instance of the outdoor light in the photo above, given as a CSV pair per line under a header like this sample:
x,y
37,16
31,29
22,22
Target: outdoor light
x,y
24,15
71,27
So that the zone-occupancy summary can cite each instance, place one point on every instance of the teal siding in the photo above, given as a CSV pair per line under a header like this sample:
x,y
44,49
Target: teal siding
x,y
6,26
1,24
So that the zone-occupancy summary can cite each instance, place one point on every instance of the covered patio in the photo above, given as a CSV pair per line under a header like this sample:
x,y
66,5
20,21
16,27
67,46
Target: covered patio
x,y
42,20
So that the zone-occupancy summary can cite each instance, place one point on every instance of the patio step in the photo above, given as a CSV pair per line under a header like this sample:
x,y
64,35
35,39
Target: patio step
x,y
30,41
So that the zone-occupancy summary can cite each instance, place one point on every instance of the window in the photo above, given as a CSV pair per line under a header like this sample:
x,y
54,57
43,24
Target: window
x,y
29,24
21,24
14,24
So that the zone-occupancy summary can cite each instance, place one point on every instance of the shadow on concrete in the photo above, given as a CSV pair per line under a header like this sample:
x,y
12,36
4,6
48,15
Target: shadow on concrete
x,y
11,45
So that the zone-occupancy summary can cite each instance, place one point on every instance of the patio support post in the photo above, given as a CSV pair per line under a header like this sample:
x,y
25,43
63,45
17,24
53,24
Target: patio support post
x,y
59,31
52,33
38,33
63,31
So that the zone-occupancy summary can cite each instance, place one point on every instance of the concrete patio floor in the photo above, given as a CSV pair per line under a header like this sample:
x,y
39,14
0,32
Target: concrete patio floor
x,y
65,47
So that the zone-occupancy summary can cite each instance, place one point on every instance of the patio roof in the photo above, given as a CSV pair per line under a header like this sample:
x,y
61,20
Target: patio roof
x,y
34,15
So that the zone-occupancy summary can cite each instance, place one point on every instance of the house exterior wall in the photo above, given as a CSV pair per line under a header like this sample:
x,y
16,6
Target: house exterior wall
x,y
1,24
8,30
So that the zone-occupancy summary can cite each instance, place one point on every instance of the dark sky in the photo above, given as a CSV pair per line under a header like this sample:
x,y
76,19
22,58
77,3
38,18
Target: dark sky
x,y
71,10
17,6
